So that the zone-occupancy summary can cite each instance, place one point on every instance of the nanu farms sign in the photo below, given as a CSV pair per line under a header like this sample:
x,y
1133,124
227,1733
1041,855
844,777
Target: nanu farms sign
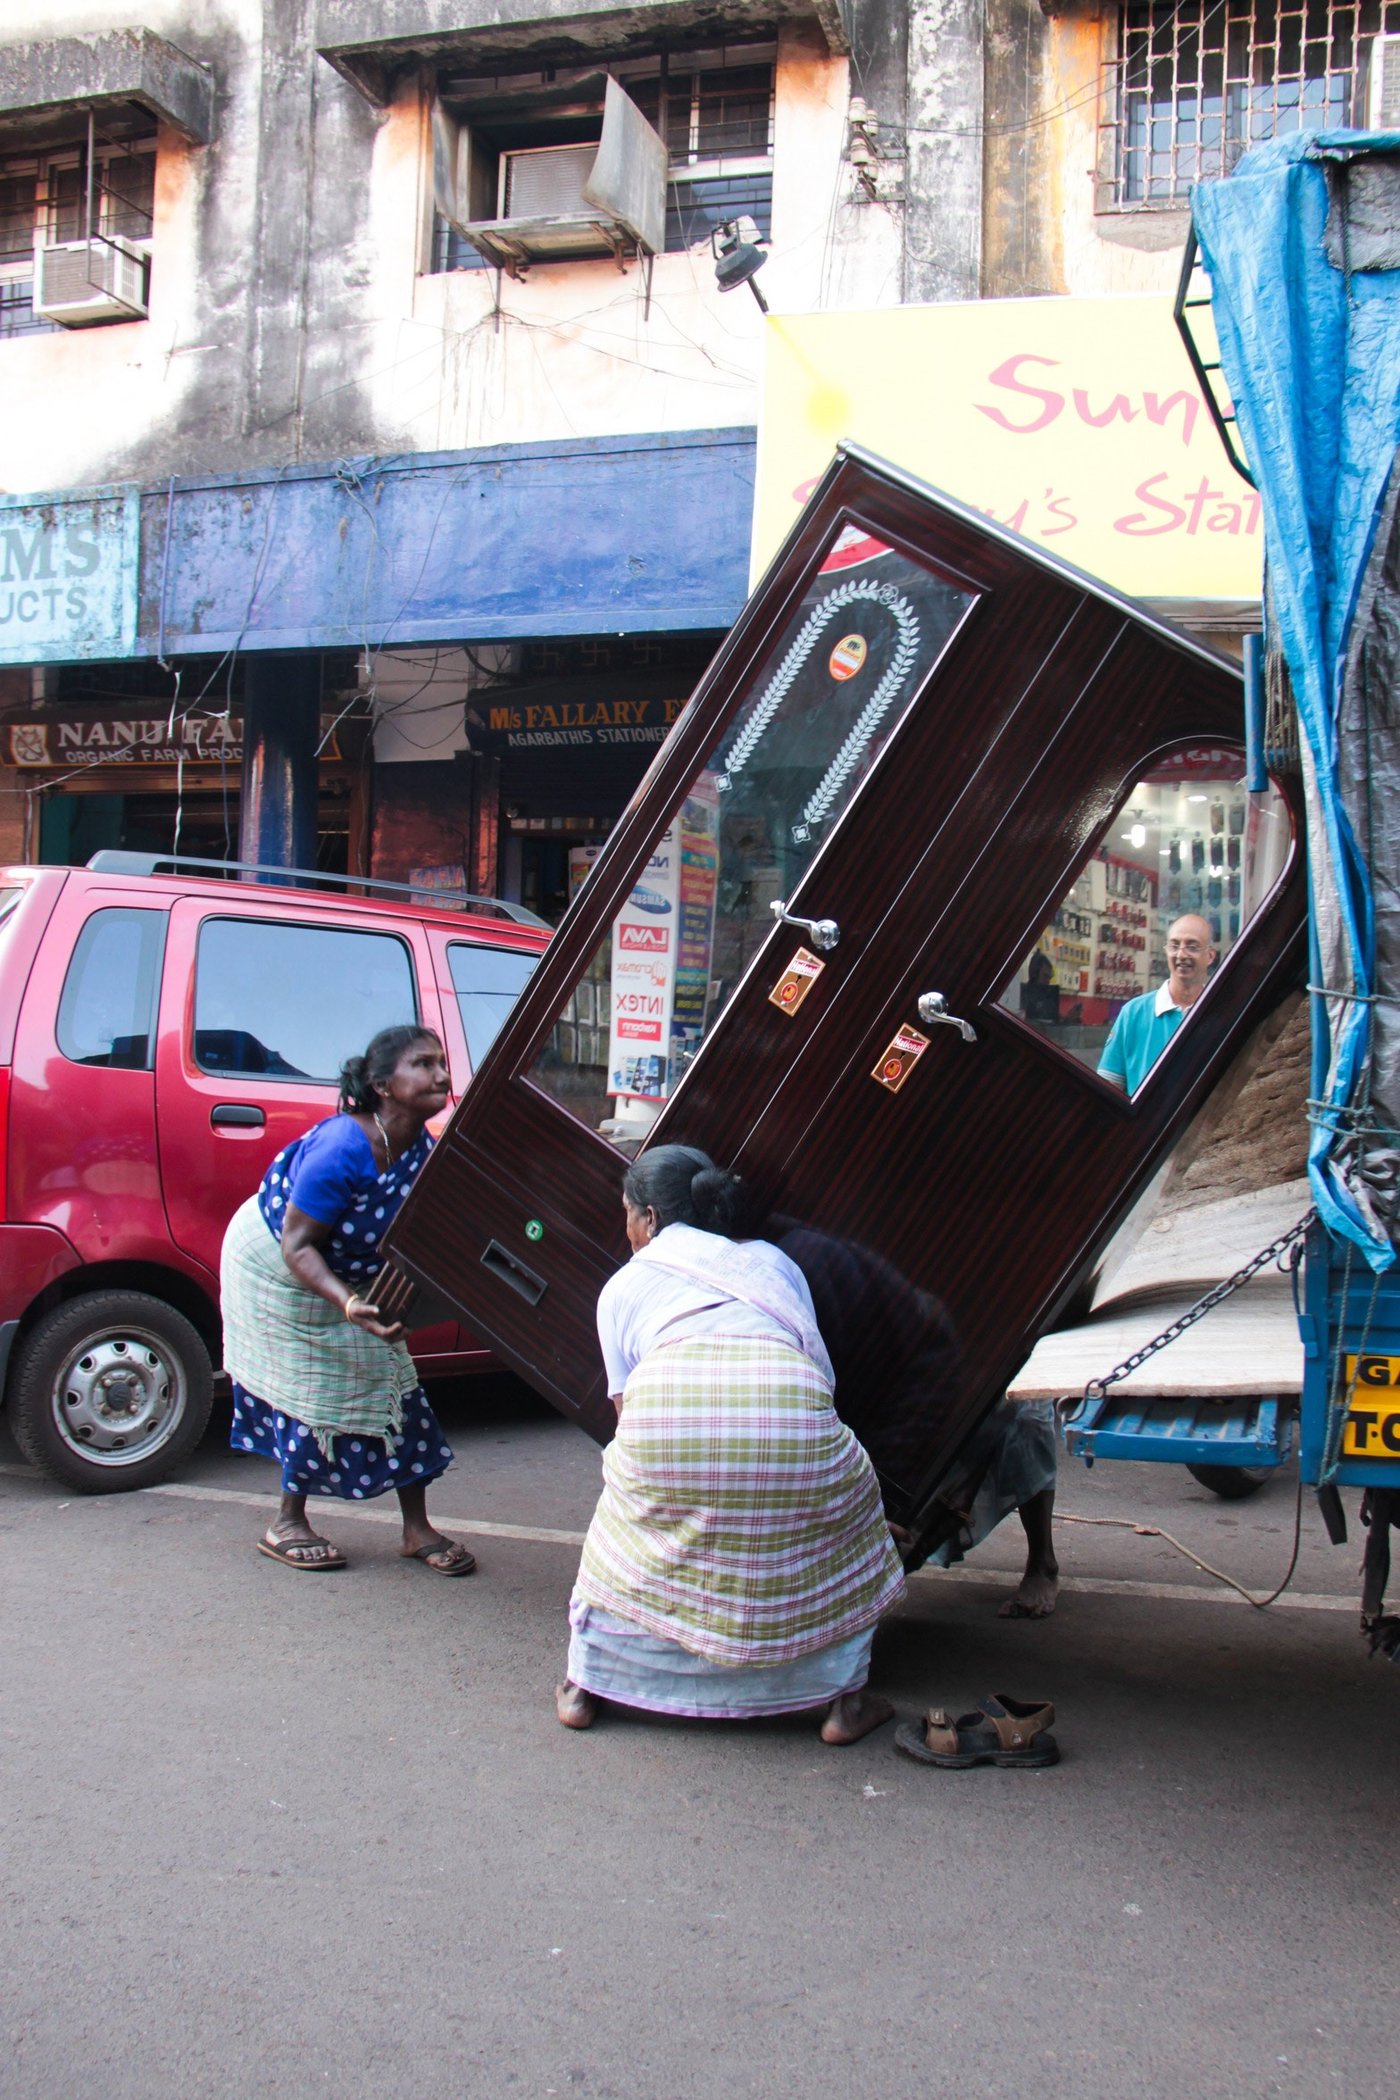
x,y
68,579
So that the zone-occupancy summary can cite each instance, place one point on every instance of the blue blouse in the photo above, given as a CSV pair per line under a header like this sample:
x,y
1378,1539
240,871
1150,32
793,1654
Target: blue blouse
x,y
330,1173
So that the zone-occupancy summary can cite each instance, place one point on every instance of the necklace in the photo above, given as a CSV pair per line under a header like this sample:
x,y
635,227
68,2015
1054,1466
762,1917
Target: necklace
x,y
389,1154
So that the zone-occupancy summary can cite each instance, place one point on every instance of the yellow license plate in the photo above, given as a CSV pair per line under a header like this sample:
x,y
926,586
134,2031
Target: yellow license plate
x,y
1372,1426
1373,1371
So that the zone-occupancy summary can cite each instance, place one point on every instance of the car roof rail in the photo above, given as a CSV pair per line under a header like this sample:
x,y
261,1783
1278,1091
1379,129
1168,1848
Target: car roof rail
x,y
114,861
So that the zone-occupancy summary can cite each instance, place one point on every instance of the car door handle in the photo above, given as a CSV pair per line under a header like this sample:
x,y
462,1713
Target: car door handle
x,y
240,1113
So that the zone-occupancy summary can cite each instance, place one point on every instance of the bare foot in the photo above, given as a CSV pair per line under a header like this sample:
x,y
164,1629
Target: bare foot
x,y
853,1715
1035,1599
575,1707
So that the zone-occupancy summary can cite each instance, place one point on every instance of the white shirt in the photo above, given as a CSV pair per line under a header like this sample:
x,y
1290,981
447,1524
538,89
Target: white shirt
x,y
645,1303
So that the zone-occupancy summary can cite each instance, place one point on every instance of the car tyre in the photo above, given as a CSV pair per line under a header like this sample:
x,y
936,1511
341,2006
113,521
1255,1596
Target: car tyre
x,y
1232,1483
110,1392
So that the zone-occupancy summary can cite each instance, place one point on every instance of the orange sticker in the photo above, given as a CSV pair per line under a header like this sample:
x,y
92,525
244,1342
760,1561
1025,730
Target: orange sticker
x,y
847,657
796,981
900,1059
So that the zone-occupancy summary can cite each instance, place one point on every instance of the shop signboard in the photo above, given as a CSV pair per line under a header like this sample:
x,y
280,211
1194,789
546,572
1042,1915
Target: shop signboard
x,y
555,722
1076,422
68,578
76,742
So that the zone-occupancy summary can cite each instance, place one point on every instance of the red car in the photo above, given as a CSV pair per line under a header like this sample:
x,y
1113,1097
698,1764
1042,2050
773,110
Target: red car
x,y
161,1037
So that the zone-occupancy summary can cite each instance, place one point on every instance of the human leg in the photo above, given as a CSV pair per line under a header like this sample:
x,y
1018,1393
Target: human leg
x,y
575,1707
1039,1586
422,1541
854,1715
290,1539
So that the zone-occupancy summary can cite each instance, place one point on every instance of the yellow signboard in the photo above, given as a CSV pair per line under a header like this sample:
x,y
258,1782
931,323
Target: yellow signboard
x,y
1372,1429
1076,422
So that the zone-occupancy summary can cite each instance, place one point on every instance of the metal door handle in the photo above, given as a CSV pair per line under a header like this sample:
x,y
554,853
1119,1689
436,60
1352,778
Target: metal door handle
x,y
933,1007
824,933
241,1113
502,1263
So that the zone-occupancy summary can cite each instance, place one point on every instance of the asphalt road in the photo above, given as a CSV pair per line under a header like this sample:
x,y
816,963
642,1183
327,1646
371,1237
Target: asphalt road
x,y
268,1835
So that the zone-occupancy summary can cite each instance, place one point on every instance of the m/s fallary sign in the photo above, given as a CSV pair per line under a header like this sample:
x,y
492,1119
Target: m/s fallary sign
x,y
68,578
1075,422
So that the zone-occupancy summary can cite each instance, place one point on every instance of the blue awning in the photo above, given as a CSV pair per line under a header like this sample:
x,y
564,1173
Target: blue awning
x,y
629,535
597,535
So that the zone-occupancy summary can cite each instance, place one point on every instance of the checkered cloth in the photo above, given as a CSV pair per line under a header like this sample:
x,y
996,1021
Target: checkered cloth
x,y
739,1516
298,1352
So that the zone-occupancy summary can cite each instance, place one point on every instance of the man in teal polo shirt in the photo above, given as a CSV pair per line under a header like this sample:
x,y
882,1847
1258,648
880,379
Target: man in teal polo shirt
x,y
1147,1024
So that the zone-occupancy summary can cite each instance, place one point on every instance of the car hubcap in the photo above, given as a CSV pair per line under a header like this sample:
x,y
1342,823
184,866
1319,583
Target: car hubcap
x,y
118,1397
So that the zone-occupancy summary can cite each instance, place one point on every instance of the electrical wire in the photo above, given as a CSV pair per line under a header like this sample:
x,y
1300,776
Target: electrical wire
x,y
1156,1531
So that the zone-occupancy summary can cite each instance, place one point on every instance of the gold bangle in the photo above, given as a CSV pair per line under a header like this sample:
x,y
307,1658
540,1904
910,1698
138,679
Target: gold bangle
x,y
353,1300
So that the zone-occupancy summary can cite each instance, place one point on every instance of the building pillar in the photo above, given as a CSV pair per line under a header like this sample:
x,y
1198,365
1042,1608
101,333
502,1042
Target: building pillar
x,y
943,215
281,726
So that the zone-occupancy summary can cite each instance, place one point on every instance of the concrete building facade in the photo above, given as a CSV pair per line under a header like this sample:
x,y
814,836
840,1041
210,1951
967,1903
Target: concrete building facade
x,y
302,332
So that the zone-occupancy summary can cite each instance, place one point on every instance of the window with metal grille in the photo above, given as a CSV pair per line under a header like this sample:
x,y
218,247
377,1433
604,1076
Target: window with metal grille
x,y
43,200
1196,83
718,127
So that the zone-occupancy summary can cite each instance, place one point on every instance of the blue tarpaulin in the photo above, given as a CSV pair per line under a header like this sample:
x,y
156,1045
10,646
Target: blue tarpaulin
x,y
1310,347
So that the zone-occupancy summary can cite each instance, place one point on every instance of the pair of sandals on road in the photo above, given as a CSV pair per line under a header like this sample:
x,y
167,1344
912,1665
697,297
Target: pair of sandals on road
x,y
443,1555
1001,1731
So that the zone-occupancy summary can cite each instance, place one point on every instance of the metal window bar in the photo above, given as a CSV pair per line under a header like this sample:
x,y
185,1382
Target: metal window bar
x,y
71,193
1195,83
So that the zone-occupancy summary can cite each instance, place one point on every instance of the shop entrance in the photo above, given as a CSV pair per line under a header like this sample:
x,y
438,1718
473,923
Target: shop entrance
x,y
72,827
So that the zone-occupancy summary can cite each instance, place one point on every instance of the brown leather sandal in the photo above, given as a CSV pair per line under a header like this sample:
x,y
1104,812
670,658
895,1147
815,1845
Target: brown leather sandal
x,y
1003,1731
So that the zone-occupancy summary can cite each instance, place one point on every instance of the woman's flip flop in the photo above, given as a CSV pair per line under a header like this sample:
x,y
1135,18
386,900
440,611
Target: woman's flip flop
x,y
305,1555
447,1557
1003,1731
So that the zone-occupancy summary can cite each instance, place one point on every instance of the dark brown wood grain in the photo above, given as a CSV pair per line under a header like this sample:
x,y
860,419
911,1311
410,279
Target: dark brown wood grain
x,y
1000,1169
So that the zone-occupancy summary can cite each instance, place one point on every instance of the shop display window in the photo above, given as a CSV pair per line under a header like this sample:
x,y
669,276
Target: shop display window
x,y
822,704
1189,842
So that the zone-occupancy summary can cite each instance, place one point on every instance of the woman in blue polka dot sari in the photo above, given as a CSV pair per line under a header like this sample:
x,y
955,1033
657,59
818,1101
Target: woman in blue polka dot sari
x,y
320,1384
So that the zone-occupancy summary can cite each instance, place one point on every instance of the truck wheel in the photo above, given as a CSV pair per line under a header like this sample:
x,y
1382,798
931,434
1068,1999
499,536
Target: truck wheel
x,y
110,1392
1232,1483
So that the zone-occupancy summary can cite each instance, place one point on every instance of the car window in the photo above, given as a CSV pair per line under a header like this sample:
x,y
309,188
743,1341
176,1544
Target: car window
x,y
487,982
274,1001
9,898
106,1015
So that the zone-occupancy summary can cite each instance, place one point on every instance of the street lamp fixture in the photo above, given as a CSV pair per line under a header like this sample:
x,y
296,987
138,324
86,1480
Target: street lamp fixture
x,y
738,259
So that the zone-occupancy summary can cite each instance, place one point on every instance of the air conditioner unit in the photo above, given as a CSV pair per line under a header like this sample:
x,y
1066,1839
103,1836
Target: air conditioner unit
x,y
546,182
79,282
1383,85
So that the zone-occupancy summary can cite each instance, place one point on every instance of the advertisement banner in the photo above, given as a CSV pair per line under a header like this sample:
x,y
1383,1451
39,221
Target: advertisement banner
x,y
1075,422
644,935
699,857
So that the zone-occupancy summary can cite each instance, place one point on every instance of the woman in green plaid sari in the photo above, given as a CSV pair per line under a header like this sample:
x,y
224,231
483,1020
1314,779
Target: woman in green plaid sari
x,y
739,1558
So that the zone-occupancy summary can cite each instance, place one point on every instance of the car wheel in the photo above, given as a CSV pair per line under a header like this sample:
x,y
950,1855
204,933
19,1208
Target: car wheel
x,y
1232,1483
110,1391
